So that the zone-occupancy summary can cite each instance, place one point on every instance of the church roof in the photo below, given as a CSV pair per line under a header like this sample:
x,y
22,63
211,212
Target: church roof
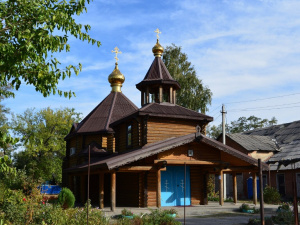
x,y
125,158
158,74
166,110
115,106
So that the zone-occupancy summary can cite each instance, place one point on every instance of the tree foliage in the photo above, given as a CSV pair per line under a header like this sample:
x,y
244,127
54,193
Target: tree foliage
x,y
241,125
30,32
42,140
193,94
6,141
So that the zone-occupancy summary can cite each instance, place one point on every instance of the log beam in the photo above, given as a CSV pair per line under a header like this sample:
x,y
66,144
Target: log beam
x,y
234,188
101,190
188,162
254,185
221,194
158,190
138,168
113,191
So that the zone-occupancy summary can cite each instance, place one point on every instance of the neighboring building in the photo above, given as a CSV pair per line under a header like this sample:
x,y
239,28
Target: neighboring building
x,y
273,145
138,156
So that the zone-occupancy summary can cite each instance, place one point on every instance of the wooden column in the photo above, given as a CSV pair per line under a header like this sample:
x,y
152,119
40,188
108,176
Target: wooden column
x,y
158,194
221,198
82,189
171,94
101,190
147,95
234,188
143,98
254,184
160,96
174,97
113,191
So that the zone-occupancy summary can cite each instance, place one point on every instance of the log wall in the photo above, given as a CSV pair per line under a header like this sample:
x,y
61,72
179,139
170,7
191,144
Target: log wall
x,y
161,129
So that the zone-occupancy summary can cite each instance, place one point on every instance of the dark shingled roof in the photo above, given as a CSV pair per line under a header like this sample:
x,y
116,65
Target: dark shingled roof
x,y
166,110
254,142
115,106
126,158
158,74
288,139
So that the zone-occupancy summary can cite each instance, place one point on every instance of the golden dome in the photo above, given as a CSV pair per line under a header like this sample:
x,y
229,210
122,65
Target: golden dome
x,y
157,49
116,79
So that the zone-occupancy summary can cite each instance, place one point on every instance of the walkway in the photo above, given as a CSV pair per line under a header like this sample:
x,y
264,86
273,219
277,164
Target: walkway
x,y
213,213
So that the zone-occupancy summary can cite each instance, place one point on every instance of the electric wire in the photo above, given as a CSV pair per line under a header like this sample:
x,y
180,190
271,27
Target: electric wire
x,y
260,99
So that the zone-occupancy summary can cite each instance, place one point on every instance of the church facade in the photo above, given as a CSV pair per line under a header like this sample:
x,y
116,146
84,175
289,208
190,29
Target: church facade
x,y
156,155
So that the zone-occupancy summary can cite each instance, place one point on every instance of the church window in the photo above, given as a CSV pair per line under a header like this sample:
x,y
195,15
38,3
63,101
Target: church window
x,y
129,135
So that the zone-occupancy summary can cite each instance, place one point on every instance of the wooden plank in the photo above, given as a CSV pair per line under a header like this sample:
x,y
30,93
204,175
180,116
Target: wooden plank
x,y
234,188
158,195
188,162
254,185
221,194
113,191
134,168
101,190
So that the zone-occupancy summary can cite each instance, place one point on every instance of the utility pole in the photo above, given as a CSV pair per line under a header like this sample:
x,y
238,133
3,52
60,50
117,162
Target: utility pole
x,y
224,142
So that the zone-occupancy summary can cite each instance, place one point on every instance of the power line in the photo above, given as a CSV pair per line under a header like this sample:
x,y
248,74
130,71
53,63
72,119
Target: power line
x,y
259,99
267,107
236,110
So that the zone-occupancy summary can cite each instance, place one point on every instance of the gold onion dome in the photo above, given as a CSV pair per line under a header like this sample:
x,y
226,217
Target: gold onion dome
x,y
116,78
157,49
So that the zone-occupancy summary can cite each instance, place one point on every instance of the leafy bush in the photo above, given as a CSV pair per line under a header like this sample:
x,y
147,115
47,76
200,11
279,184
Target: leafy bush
x,y
247,207
66,198
253,221
284,215
169,211
126,212
155,217
213,196
271,195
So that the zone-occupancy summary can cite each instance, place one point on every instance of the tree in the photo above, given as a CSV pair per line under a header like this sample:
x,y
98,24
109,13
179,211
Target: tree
x,y
193,94
30,32
42,140
241,125
6,141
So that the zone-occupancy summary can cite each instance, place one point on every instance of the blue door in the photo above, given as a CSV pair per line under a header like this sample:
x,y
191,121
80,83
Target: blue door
x,y
172,186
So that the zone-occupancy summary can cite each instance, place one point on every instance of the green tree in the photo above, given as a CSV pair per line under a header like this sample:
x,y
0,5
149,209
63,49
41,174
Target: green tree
x,y
193,94
42,140
6,141
30,32
241,125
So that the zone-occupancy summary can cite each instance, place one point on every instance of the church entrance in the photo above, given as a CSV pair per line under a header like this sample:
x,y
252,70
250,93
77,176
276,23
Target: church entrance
x,y
172,186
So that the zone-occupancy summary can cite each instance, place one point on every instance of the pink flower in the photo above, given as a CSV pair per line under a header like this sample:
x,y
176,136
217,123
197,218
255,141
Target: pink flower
x,y
43,203
24,199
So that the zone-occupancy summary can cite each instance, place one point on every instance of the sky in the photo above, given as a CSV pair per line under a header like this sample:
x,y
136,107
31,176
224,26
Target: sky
x,y
246,51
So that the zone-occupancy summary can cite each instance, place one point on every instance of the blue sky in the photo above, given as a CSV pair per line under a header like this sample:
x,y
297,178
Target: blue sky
x,y
242,50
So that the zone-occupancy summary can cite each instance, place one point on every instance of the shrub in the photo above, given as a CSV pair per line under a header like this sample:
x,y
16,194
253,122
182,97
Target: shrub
x,y
271,195
169,211
126,212
253,221
66,198
247,207
284,215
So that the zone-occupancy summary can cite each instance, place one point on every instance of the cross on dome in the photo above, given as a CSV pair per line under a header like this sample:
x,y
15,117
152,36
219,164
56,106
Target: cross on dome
x,y
116,50
157,31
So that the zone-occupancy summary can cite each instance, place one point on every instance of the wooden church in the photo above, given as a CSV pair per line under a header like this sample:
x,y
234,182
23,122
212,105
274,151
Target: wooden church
x,y
156,155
